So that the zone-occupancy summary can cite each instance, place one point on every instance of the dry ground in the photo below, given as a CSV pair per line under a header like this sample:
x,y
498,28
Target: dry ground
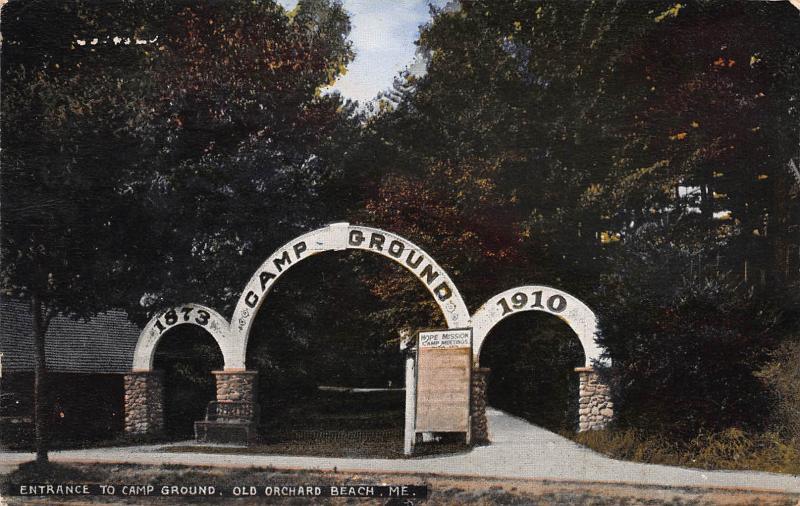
x,y
442,490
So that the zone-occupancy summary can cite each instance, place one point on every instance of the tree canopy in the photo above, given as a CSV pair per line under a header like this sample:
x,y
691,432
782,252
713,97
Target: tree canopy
x,y
637,154
141,138
638,157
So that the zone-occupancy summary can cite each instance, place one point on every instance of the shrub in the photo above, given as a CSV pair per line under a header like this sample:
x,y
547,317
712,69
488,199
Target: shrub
x,y
686,343
781,375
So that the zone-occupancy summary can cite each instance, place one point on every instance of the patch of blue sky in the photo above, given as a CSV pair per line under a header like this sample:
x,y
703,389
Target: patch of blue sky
x,y
383,35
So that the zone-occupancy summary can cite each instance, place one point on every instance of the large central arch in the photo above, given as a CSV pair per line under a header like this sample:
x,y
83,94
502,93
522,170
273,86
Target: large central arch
x,y
338,237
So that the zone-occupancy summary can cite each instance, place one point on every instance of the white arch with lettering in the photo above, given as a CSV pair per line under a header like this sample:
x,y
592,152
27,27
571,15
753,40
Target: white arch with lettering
x,y
572,310
338,237
232,338
185,314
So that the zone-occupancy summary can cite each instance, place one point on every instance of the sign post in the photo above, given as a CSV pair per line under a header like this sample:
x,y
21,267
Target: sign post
x,y
444,372
409,435
408,346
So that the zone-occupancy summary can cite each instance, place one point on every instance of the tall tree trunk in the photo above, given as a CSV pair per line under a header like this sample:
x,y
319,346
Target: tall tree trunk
x,y
40,393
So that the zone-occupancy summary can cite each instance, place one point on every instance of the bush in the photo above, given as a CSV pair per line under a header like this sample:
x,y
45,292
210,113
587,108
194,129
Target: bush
x,y
733,448
782,377
686,342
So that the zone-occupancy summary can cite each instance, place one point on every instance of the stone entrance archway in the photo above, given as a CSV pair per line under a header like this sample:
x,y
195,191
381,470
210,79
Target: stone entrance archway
x,y
596,408
144,387
236,386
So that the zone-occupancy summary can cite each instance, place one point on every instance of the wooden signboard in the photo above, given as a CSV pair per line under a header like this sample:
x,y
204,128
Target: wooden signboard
x,y
444,368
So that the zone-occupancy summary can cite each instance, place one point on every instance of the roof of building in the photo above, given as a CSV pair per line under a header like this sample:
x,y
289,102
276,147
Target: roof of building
x,y
104,344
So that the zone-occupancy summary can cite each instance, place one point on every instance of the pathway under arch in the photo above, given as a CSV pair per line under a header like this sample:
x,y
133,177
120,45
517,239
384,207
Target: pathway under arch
x,y
596,407
186,357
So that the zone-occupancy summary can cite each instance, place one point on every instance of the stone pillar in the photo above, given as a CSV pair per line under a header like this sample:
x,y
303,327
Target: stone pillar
x,y
144,402
595,407
478,403
236,386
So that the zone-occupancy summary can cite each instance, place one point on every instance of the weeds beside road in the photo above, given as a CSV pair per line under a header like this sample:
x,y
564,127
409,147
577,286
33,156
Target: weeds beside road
x,y
731,449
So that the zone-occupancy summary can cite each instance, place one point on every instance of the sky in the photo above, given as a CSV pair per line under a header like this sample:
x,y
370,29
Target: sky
x,y
383,36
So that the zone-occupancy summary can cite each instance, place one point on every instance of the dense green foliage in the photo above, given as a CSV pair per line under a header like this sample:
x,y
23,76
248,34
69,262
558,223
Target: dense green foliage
x,y
687,339
635,153
142,140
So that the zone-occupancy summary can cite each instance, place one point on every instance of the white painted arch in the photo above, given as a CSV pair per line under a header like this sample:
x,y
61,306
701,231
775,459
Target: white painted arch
x,y
338,237
572,310
184,314
232,339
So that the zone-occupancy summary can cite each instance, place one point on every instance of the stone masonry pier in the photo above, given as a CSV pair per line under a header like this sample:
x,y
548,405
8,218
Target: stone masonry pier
x,y
595,406
144,402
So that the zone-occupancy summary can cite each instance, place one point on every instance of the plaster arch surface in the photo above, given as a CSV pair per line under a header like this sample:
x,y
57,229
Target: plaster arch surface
x,y
184,314
339,237
569,308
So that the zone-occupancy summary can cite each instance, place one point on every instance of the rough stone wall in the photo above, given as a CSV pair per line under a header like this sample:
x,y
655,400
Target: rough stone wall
x,y
236,386
144,402
595,407
478,401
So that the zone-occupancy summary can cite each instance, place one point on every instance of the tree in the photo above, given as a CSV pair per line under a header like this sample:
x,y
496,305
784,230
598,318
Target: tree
x,y
686,344
700,189
525,86
249,143
128,129
62,216
606,121
709,128
458,213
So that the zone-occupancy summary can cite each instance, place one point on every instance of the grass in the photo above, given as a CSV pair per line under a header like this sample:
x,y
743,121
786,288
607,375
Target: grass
x,y
387,444
335,424
25,444
731,449
441,490
325,424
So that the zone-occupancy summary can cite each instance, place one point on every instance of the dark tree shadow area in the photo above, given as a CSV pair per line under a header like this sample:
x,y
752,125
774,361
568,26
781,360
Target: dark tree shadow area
x,y
324,330
186,354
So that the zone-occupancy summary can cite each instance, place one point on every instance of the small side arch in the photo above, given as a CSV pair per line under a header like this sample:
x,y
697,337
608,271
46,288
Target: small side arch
x,y
338,237
184,314
572,310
